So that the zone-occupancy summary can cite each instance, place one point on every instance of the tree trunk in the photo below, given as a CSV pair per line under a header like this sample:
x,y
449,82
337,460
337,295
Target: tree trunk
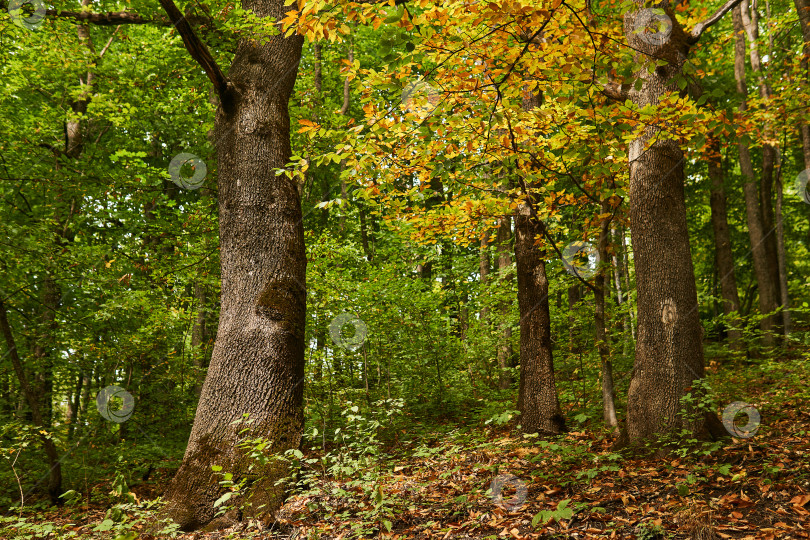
x,y
537,395
626,269
504,261
54,464
601,285
782,253
257,365
75,406
750,19
43,349
483,272
803,10
722,243
669,352
574,297
365,233
199,337
756,229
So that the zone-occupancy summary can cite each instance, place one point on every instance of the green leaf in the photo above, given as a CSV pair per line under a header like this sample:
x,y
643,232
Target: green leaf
x,y
223,499
105,525
396,16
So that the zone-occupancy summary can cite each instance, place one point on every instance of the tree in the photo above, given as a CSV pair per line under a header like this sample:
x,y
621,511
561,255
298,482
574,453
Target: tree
x,y
722,241
257,365
756,203
669,350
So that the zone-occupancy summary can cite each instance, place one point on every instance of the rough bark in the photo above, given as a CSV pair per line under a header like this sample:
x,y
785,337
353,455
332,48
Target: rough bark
x,y
257,365
722,243
669,352
757,232
537,394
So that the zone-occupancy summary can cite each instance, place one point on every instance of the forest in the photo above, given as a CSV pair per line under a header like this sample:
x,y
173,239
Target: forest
x,y
394,269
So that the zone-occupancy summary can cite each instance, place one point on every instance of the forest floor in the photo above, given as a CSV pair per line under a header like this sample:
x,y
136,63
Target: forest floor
x,y
574,486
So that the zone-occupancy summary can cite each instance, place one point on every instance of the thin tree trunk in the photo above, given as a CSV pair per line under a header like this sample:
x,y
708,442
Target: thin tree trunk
x,y
199,337
44,346
318,70
504,262
75,405
626,269
574,297
722,244
782,253
483,272
257,365
756,228
616,267
601,286
54,465
346,82
364,231
750,19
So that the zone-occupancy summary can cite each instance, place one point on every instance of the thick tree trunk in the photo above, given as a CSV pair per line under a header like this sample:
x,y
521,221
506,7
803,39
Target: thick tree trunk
x,y
757,232
257,366
537,395
601,286
504,261
669,352
722,243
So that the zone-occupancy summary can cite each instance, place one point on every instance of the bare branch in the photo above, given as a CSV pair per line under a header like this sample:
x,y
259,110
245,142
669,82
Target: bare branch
x,y
198,51
701,27
109,42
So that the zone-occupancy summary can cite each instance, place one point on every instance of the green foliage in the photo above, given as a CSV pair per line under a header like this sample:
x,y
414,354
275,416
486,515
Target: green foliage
x,y
561,512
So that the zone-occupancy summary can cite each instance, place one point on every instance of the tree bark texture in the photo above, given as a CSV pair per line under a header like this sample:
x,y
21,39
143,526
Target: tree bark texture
x,y
669,352
537,394
257,365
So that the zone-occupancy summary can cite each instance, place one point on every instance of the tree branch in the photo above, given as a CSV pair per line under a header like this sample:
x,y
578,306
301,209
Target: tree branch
x,y
701,27
112,18
199,52
615,90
